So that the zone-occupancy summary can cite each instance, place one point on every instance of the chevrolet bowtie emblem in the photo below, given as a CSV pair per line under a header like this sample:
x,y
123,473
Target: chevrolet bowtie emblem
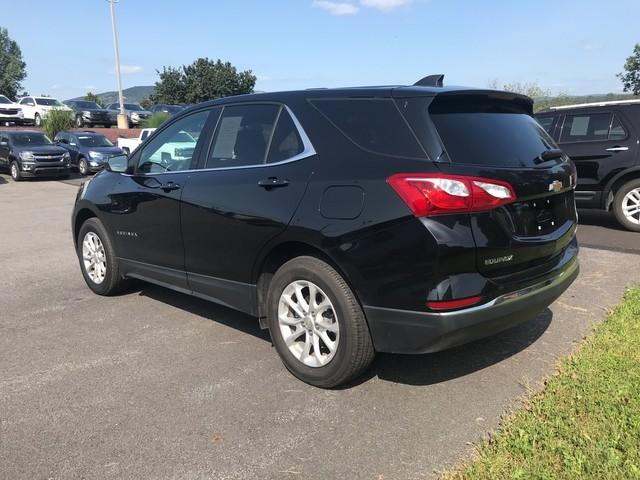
x,y
555,186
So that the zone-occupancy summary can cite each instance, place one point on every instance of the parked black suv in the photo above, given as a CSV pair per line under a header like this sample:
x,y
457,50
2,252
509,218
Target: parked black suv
x,y
602,140
88,150
90,114
29,154
349,221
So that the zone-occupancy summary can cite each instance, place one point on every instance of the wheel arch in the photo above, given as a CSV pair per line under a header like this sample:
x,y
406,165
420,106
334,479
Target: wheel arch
x,y
618,181
81,216
277,256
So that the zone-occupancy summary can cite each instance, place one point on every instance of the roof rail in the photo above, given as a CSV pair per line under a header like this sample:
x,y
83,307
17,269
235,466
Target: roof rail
x,y
597,104
431,81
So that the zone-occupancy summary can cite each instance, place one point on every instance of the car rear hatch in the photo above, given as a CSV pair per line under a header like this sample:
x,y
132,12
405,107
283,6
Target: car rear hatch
x,y
492,135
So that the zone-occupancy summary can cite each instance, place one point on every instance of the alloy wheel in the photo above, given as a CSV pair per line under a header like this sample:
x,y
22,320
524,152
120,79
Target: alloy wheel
x,y
14,171
308,323
631,206
94,257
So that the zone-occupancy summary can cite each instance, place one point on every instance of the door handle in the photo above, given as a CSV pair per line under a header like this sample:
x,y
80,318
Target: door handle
x,y
273,182
169,186
617,149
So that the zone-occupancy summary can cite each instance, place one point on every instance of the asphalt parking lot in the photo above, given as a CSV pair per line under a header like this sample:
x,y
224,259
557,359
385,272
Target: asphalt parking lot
x,y
156,384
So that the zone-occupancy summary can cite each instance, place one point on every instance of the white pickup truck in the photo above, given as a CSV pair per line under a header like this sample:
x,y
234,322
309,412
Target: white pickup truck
x,y
128,145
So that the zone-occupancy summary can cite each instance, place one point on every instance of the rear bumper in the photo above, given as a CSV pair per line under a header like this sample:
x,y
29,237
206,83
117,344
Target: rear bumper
x,y
402,331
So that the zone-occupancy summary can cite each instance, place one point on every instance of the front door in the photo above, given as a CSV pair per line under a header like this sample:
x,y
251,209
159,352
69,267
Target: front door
x,y
601,144
251,183
144,213
4,152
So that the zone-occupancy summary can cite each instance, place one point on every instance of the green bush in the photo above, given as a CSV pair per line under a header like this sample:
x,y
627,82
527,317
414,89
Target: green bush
x,y
57,120
155,120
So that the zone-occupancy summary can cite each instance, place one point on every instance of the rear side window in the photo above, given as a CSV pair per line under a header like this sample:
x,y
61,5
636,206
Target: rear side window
x,y
286,142
374,125
586,127
242,136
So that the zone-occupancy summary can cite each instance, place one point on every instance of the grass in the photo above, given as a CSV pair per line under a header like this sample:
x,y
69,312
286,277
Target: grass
x,y
585,423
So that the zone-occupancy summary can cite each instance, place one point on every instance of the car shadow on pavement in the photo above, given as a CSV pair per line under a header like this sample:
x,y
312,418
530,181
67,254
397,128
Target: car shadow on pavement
x,y
425,369
2,180
433,368
599,218
202,308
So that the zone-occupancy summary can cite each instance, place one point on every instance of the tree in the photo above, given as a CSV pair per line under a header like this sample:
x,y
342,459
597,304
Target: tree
x,y
92,97
531,89
631,76
203,80
12,67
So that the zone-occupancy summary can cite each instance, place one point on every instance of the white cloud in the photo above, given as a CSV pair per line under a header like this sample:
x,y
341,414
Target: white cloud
x,y
336,8
385,5
129,69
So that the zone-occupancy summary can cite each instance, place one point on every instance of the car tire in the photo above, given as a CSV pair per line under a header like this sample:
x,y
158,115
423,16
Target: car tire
x,y
83,166
98,260
14,169
37,120
79,121
626,205
338,319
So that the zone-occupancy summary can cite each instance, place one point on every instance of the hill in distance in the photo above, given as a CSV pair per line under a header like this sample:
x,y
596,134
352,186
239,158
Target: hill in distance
x,y
131,95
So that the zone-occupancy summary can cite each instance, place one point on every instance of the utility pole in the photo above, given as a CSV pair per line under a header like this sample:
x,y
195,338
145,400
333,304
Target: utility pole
x,y
122,116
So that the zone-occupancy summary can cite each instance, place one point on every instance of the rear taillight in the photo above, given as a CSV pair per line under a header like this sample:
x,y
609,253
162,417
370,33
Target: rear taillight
x,y
436,194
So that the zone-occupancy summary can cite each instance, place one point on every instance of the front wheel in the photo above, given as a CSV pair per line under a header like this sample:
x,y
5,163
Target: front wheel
x,y
79,121
317,325
37,120
626,205
83,167
15,171
97,258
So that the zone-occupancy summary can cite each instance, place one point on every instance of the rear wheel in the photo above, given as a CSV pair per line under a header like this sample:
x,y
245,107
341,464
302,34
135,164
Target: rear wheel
x,y
15,171
626,205
317,325
97,258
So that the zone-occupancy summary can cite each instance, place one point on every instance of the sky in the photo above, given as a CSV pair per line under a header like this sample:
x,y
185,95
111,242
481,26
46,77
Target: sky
x,y
568,46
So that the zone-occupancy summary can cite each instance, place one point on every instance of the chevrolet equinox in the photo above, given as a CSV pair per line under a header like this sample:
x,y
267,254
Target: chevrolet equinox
x,y
350,221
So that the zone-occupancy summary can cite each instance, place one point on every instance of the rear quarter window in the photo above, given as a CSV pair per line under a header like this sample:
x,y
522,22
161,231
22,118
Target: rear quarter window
x,y
374,125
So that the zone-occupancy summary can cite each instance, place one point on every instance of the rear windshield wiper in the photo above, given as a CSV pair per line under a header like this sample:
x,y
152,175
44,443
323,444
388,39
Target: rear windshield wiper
x,y
547,155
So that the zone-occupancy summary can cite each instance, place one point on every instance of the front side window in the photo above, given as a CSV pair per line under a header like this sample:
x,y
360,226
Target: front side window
x,y
27,101
173,149
617,130
586,127
548,123
242,136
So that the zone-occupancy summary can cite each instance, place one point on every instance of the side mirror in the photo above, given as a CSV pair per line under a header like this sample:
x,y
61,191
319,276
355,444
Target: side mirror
x,y
72,144
117,164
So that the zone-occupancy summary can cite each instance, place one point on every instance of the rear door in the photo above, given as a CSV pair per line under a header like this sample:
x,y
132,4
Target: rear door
x,y
601,143
250,184
494,136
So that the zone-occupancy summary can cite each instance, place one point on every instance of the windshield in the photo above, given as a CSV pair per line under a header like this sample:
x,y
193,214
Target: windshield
x,y
87,105
4,99
182,137
48,102
132,106
94,141
172,108
30,139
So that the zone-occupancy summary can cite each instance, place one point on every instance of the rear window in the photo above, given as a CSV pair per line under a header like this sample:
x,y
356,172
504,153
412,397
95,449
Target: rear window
x,y
497,133
375,125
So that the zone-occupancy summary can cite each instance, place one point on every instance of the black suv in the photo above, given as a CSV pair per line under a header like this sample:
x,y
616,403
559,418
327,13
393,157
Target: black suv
x,y
88,150
29,154
90,114
348,221
602,140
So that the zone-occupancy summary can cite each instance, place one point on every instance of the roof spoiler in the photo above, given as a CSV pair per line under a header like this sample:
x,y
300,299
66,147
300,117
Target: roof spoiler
x,y
431,81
